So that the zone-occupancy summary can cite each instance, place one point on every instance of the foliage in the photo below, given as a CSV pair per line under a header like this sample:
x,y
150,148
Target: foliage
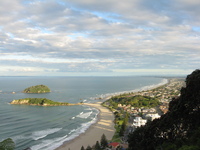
x,y
82,148
134,101
41,101
97,146
37,89
179,128
7,144
123,126
88,148
104,141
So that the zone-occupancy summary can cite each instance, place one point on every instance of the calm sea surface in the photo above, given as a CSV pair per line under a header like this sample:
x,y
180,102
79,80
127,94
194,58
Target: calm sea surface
x,y
45,128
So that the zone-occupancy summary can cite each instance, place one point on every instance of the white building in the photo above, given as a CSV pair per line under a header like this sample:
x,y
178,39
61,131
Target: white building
x,y
138,121
153,116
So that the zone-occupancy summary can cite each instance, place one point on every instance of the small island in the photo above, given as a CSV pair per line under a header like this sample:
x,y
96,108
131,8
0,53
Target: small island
x,y
40,102
37,89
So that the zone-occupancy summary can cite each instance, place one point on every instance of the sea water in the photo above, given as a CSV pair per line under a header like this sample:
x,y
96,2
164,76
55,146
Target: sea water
x,y
46,128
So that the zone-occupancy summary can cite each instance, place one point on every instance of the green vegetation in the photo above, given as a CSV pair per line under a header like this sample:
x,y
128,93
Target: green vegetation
x,y
121,121
179,128
122,117
134,101
37,89
104,141
38,101
7,144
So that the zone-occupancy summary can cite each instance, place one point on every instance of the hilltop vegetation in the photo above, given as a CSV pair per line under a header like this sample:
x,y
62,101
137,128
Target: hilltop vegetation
x,y
38,101
134,101
179,128
37,89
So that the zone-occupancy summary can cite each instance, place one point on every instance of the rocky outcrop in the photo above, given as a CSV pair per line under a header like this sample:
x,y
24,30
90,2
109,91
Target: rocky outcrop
x,y
20,102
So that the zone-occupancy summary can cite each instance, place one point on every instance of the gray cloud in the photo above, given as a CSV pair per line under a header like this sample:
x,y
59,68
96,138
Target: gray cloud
x,y
132,34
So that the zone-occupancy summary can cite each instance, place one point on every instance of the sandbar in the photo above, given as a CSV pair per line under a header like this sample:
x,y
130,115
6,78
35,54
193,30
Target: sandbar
x,y
104,125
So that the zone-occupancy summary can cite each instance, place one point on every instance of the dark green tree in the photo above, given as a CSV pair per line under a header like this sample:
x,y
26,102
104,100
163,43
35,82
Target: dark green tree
x,y
89,148
97,146
82,148
7,144
104,141
122,130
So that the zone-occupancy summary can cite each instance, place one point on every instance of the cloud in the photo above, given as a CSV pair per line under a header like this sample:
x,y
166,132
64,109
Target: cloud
x,y
99,36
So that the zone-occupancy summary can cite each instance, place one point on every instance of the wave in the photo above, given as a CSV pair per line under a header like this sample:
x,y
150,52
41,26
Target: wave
x,y
37,134
19,137
84,115
73,118
49,144
56,142
43,133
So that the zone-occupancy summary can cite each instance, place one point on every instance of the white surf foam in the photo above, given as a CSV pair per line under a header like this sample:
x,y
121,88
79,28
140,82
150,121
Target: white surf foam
x,y
56,142
84,115
43,133
49,144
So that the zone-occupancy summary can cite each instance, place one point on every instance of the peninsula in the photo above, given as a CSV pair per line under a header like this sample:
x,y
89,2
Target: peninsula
x,y
40,102
37,89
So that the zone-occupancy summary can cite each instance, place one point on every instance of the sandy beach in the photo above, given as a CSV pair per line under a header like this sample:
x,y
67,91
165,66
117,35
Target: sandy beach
x,y
104,125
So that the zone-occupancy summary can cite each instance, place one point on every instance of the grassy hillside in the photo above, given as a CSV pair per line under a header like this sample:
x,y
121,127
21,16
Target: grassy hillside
x,y
37,89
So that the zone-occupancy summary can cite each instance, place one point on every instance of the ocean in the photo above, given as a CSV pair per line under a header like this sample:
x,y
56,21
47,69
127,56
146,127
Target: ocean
x,y
46,128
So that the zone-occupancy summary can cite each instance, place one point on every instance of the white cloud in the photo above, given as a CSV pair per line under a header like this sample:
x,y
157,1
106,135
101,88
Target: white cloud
x,y
89,36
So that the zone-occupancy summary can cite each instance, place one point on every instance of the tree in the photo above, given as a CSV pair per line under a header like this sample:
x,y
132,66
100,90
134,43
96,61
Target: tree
x,y
88,148
7,144
97,146
82,148
104,141
123,127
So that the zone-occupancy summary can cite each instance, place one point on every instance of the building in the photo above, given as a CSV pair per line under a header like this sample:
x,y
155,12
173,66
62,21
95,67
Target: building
x,y
114,145
138,121
152,116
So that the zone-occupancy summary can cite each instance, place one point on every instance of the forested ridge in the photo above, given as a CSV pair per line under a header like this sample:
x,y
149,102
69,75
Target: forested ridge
x,y
179,128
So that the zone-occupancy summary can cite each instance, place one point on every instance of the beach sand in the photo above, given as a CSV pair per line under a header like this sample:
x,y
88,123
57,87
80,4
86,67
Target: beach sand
x,y
104,125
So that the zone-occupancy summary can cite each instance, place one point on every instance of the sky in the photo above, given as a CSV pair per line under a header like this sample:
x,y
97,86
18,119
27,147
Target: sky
x,y
99,37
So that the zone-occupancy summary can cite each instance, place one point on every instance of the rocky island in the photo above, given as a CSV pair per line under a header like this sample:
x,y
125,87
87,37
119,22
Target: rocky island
x,y
40,102
37,89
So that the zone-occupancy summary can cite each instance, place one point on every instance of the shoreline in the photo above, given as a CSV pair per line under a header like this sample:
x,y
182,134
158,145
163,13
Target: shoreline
x,y
94,132
103,125
144,88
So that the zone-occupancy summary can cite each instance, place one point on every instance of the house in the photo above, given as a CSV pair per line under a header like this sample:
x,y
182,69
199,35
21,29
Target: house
x,y
138,121
114,145
152,116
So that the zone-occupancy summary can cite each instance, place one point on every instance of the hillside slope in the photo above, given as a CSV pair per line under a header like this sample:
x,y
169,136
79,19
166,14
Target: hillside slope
x,y
37,89
179,128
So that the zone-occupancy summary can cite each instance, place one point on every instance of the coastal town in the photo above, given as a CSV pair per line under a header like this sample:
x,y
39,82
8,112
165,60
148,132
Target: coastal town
x,y
139,116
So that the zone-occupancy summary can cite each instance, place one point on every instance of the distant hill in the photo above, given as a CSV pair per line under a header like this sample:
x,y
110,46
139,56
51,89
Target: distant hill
x,y
37,89
179,128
